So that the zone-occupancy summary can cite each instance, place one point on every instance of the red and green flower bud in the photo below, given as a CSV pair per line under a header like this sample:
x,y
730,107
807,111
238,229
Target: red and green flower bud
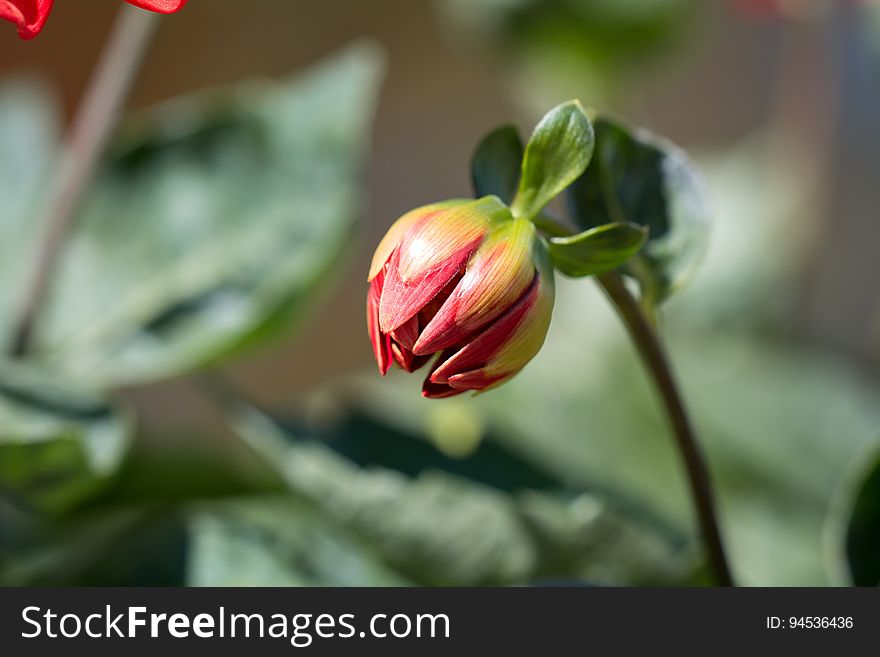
x,y
467,282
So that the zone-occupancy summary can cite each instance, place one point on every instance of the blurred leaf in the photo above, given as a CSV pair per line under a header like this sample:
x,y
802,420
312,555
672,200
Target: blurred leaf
x,y
555,49
247,541
372,442
438,528
156,473
67,550
597,250
604,31
58,444
641,178
863,529
134,546
277,542
557,153
213,224
496,164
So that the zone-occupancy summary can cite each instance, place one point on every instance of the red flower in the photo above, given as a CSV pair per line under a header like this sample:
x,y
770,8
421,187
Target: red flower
x,y
31,15
467,282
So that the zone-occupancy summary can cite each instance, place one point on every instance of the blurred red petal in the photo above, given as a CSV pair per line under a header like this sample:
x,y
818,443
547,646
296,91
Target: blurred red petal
x,y
159,6
28,15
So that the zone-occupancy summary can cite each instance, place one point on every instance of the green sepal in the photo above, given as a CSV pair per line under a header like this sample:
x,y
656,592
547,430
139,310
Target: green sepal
x,y
597,250
558,152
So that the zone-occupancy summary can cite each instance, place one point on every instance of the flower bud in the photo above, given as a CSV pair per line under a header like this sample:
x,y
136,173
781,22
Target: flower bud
x,y
467,281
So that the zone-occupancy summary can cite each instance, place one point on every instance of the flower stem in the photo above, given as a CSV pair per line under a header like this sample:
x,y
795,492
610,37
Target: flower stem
x,y
654,359
90,132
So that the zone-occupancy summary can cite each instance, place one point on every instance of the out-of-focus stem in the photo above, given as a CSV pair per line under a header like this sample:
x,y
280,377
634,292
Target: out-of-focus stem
x,y
90,131
655,361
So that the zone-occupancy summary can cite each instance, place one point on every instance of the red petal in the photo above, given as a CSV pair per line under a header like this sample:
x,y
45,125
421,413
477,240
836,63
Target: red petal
x,y
402,299
159,6
405,359
28,15
399,229
381,342
476,353
436,391
431,390
477,380
430,253
495,278
407,334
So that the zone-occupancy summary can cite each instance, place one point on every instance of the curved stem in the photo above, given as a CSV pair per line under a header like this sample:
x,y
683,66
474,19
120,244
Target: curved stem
x,y
90,131
654,359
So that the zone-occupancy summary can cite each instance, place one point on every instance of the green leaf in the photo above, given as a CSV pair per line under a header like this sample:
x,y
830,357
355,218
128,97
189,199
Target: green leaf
x,y
84,549
557,153
458,446
136,530
252,541
597,250
640,178
277,542
58,444
451,526
496,164
213,226
863,529
598,46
